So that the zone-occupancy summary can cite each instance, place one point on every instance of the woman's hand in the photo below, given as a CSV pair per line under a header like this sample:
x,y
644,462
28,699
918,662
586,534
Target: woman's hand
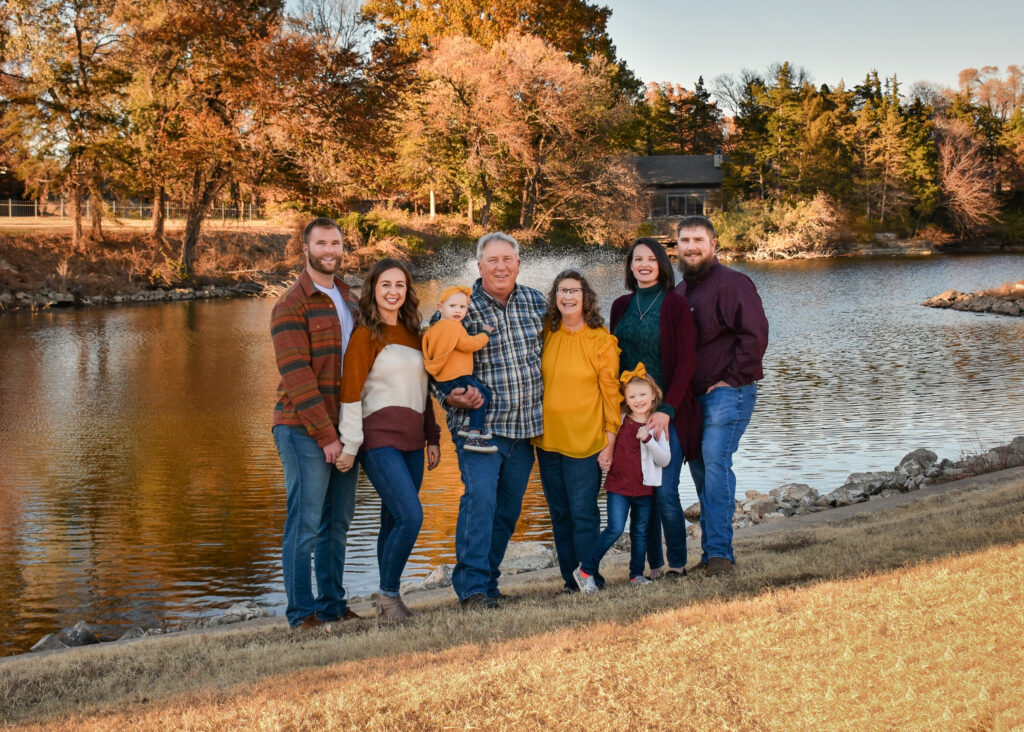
x,y
345,462
433,456
604,458
658,424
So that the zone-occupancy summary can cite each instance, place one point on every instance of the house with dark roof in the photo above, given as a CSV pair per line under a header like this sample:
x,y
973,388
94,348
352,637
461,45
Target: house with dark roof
x,y
680,185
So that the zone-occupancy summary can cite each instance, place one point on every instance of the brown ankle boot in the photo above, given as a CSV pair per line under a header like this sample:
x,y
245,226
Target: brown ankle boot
x,y
405,608
391,609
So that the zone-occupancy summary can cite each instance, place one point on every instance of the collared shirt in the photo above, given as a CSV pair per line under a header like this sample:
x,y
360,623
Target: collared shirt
x,y
732,330
510,362
308,344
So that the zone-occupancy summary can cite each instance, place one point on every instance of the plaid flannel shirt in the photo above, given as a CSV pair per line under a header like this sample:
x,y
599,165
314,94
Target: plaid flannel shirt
x,y
510,362
308,348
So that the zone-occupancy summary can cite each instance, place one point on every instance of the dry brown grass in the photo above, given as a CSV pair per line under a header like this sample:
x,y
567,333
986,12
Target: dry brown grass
x,y
129,260
937,646
926,634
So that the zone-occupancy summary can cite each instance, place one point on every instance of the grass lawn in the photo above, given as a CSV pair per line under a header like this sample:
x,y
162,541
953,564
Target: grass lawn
x,y
907,618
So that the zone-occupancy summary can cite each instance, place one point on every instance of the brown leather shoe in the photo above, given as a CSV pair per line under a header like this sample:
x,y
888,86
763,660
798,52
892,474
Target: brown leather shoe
x,y
718,565
350,614
312,622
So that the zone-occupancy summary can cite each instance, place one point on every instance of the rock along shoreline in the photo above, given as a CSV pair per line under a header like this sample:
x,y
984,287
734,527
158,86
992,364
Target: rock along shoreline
x,y
917,469
1007,299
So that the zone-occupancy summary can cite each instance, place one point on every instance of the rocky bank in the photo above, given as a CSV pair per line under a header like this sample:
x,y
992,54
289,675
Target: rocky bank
x,y
1007,299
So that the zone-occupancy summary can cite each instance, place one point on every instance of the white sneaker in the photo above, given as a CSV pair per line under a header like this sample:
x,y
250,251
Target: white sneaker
x,y
585,582
639,581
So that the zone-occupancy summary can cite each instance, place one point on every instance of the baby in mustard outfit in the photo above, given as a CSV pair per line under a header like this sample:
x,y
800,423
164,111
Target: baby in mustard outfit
x,y
448,356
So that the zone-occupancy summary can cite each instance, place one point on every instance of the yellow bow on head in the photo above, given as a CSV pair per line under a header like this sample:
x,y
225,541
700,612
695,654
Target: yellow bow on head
x,y
640,372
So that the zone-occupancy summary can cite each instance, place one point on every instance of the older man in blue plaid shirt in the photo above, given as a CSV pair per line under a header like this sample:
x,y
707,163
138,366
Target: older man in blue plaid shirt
x,y
510,365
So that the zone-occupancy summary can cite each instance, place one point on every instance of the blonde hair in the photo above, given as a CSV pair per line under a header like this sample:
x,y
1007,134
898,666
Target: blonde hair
x,y
648,381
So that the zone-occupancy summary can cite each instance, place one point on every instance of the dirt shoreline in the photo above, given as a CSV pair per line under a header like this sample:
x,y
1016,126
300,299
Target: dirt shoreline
x,y
39,270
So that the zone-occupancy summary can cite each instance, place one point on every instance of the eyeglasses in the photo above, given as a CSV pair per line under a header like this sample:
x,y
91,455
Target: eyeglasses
x,y
569,290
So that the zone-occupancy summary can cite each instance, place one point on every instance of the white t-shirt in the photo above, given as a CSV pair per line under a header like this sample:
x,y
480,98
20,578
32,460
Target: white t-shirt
x,y
344,315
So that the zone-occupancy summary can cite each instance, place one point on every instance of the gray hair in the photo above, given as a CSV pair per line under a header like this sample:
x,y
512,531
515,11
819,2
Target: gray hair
x,y
486,239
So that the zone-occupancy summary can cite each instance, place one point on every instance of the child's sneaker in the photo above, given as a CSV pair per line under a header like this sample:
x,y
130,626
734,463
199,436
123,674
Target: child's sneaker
x,y
473,433
639,581
585,581
477,444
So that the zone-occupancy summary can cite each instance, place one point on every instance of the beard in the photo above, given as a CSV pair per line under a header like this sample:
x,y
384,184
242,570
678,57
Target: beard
x,y
695,271
318,264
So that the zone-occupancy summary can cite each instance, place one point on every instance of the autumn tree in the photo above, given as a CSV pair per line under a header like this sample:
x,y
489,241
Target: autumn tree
x,y
530,132
576,27
62,86
964,175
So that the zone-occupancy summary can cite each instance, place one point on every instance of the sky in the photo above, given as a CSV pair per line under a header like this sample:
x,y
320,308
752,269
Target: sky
x,y
675,41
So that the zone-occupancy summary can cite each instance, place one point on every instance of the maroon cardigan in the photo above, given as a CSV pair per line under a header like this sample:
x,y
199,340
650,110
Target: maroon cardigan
x,y
678,350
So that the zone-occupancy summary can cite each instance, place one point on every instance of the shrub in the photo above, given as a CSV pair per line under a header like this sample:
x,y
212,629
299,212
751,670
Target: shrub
x,y
780,230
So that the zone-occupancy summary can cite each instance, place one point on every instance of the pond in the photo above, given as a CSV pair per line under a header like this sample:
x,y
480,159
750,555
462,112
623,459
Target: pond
x,y
139,483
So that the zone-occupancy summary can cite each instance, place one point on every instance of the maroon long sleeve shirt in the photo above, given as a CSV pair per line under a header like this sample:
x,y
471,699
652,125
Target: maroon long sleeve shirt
x,y
732,330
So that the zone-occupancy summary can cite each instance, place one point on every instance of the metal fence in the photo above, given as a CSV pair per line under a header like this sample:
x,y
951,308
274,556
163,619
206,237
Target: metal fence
x,y
132,210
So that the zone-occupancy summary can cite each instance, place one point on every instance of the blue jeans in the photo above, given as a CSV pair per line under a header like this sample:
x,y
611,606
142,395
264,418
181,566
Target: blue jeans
x,y
667,512
726,413
570,487
638,508
396,475
476,416
320,503
488,511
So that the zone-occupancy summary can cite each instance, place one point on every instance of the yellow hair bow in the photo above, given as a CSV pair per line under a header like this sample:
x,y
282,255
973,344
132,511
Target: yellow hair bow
x,y
640,372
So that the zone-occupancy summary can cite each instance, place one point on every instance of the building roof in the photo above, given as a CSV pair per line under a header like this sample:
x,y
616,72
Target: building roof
x,y
679,170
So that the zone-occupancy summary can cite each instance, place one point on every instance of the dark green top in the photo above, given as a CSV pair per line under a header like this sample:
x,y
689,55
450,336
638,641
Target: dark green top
x,y
639,335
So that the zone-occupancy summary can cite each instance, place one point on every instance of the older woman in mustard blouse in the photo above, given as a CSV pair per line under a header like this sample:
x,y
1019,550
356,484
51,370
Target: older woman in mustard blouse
x,y
580,365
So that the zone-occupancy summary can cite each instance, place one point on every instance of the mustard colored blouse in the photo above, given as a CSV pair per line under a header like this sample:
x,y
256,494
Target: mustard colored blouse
x,y
581,391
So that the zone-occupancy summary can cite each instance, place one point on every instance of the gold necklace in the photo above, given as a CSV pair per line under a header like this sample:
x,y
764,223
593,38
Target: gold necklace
x,y
646,310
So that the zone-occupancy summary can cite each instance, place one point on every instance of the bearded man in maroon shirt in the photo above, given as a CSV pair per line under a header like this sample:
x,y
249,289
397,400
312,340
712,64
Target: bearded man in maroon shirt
x,y
732,334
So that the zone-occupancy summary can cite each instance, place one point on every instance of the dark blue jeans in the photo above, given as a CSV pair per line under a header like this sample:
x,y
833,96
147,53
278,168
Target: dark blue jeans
x,y
320,503
667,512
476,416
725,414
638,509
570,487
488,510
396,475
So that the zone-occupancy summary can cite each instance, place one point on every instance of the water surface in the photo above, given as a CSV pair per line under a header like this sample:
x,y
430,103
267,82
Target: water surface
x,y
139,481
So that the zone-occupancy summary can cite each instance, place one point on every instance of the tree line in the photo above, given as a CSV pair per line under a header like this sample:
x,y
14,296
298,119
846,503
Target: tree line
x,y
508,114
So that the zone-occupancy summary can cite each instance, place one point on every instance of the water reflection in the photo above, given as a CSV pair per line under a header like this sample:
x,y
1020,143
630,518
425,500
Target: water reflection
x,y
139,480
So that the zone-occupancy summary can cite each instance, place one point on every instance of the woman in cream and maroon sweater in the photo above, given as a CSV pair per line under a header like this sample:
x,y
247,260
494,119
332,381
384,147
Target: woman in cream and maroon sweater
x,y
387,418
